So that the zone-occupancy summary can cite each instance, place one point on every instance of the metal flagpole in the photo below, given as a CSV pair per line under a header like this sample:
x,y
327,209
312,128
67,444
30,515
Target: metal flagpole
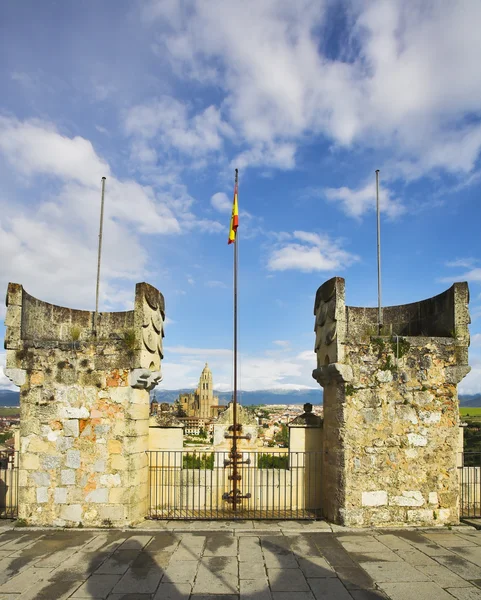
x,y
378,254
234,407
99,257
235,496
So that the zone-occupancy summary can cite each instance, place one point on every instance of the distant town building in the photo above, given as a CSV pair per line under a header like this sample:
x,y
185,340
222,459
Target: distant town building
x,y
201,403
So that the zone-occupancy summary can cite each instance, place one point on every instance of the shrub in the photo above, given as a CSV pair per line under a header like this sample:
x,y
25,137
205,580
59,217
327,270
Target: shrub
x,y
272,461
198,461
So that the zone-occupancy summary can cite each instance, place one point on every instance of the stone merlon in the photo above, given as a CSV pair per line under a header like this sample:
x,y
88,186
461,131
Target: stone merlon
x,y
391,410
133,337
84,400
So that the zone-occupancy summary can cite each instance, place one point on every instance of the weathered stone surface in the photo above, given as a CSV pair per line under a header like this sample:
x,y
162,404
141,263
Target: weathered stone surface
x,y
42,495
390,429
79,410
378,498
417,440
16,376
72,512
71,427
73,459
412,498
67,477
60,495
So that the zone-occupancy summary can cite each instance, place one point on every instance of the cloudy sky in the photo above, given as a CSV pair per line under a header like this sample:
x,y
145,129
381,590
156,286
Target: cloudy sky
x,y
166,97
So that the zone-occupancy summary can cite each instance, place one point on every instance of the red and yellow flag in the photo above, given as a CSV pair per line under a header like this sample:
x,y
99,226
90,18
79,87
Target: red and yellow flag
x,y
234,220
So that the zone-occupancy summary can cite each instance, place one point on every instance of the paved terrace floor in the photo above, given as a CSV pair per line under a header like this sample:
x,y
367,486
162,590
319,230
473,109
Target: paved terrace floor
x,y
240,561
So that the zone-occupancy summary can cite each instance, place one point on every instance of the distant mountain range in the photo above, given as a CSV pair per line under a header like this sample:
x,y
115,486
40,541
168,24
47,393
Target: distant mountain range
x,y
254,397
471,400
11,398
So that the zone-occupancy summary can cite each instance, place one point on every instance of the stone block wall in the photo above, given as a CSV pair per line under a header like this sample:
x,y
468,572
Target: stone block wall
x,y
391,411
84,407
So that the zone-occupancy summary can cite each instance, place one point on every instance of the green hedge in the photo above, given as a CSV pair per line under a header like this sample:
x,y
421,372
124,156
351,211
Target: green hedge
x,y
273,461
198,461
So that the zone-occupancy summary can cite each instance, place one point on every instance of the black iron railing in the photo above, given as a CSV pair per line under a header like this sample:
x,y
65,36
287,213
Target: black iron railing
x,y
469,470
8,484
192,484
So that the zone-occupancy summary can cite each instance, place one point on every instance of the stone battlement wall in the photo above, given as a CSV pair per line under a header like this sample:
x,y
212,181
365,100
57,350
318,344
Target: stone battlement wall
x,y
42,321
84,407
391,411
444,315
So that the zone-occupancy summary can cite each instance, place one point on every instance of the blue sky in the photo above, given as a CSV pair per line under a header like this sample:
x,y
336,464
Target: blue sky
x,y
165,98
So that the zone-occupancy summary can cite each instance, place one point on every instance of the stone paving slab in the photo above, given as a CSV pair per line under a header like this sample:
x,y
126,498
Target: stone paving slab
x,y
217,574
291,596
316,566
96,586
287,580
274,563
471,553
255,588
393,572
255,570
465,593
329,589
172,591
462,567
385,556
48,590
368,595
181,571
415,557
417,591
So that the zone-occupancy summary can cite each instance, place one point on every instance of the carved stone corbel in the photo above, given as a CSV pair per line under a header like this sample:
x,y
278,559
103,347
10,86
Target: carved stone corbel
x,y
144,379
335,372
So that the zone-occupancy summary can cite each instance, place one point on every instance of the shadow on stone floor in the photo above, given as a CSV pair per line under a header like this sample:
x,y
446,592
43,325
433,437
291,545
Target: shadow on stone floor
x,y
169,568
113,565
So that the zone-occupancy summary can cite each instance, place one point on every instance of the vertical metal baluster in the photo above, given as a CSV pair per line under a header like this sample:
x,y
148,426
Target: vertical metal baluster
x,y
202,512
260,477
165,470
16,458
278,470
297,484
307,471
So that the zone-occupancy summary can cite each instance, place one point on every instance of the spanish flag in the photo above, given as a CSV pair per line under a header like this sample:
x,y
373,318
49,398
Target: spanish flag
x,y
234,220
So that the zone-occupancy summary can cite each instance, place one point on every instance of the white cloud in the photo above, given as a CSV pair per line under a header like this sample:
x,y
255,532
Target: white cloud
x,y
5,383
282,343
308,355
407,78
462,263
221,202
278,155
471,384
191,222
312,252
57,235
216,284
167,121
198,351
471,275
35,147
356,203
256,372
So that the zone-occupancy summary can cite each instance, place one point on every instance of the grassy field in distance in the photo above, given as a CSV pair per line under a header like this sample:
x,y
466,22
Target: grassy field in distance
x,y
9,411
467,411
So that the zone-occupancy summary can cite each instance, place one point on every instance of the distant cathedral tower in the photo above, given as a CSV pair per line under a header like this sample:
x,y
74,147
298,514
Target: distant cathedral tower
x,y
202,403
206,393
